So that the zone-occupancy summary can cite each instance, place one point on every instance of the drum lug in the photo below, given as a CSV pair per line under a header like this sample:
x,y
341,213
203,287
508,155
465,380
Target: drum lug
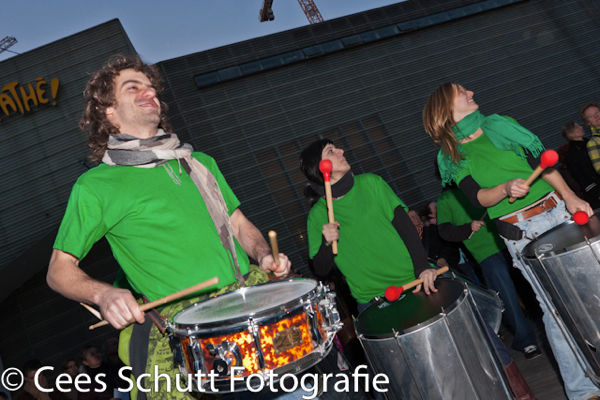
x,y
255,332
176,347
314,324
223,356
197,354
330,313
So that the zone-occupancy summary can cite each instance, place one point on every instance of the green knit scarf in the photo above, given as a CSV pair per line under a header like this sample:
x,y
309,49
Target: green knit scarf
x,y
501,131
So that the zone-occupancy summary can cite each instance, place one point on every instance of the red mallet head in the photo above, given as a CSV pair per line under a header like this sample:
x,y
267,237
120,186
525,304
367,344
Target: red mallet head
x,y
548,159
393,293
581,218
325,166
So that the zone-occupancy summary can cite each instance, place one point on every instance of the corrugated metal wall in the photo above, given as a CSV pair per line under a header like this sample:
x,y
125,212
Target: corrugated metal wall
x,y
40,155
532,60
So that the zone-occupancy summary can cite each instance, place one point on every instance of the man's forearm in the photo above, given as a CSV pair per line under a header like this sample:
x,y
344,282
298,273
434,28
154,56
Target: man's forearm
x,y
249,237
65,277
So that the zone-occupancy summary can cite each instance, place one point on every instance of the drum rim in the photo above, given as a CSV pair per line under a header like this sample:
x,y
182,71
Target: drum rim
x,y
557,251
243,321
420,325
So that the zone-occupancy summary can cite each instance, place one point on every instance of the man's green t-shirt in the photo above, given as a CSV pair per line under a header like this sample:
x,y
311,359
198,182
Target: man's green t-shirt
x,y
371,254
453,207
491,167
160,233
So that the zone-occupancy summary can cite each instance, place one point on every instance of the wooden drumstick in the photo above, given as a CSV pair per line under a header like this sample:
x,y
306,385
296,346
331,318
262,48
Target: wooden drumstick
x,y
169,298
548,159
481,219
325,166
274,247
393,293
91,309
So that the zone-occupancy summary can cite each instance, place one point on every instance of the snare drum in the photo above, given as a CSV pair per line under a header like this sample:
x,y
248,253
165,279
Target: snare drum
x,y
284,327
564,263
432,346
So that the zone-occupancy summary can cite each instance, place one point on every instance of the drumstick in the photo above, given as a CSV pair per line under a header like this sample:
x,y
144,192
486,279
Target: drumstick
x,y
92,310
325,166
393,293
580,217
169,298
548,159
481,219
274,247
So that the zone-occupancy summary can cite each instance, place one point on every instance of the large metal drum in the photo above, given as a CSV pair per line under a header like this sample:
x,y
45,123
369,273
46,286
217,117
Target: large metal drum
x,y
432,346
565,262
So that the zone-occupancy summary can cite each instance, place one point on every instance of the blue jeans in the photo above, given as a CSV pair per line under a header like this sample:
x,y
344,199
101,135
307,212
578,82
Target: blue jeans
x,y
578,386
497,276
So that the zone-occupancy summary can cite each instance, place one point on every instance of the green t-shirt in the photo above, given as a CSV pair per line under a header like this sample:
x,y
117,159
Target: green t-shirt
x,y
371,254
491,167
161,234
453,207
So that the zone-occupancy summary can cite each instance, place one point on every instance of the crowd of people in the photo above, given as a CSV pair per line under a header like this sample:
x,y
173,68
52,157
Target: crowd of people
x,y
91,361
171,219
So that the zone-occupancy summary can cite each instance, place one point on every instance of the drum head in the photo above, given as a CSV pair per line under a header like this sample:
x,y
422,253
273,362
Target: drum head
x,y
381,319
564,237
247,302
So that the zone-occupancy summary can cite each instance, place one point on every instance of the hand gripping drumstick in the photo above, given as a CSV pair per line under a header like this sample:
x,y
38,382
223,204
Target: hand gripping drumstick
x,y
548,159
325,166
169,298
481,219
581,217
393,292
274,247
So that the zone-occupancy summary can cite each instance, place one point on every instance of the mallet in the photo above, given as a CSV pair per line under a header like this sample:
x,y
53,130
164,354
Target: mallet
x,y
393,293
325,166
548,159
581,217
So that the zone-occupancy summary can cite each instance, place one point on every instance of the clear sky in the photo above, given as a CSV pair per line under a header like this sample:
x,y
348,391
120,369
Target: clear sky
x,y
161,29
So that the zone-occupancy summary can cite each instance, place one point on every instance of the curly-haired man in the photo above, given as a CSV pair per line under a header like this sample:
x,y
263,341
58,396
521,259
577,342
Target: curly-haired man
x,y
167,228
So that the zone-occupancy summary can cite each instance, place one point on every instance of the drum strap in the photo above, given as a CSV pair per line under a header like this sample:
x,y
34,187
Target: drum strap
x,y
138,351
154,315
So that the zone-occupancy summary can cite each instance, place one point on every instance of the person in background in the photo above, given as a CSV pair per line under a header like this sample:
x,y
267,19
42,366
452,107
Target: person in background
x,y
590,115
580,165
69,366
460,221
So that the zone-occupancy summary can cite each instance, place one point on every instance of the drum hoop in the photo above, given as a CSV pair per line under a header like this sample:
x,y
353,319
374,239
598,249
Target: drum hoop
x,y
421,325
276,311
559,250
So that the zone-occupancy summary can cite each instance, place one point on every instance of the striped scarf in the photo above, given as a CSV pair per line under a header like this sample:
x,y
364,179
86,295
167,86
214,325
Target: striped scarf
x,y
127,150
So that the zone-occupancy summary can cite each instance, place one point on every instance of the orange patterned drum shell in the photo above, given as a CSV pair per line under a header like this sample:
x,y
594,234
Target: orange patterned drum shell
x,y
296,322
246,345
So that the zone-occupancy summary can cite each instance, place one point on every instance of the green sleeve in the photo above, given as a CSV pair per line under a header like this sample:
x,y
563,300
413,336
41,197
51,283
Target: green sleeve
x,y
314,226
83,223
389,200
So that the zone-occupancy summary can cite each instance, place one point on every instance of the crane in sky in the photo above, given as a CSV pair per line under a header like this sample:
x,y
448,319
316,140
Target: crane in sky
x,y
308,6
6,43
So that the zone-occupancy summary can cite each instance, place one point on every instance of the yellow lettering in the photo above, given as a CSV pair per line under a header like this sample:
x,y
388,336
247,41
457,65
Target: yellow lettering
x,y
5,100
28,97
40,92
11,88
